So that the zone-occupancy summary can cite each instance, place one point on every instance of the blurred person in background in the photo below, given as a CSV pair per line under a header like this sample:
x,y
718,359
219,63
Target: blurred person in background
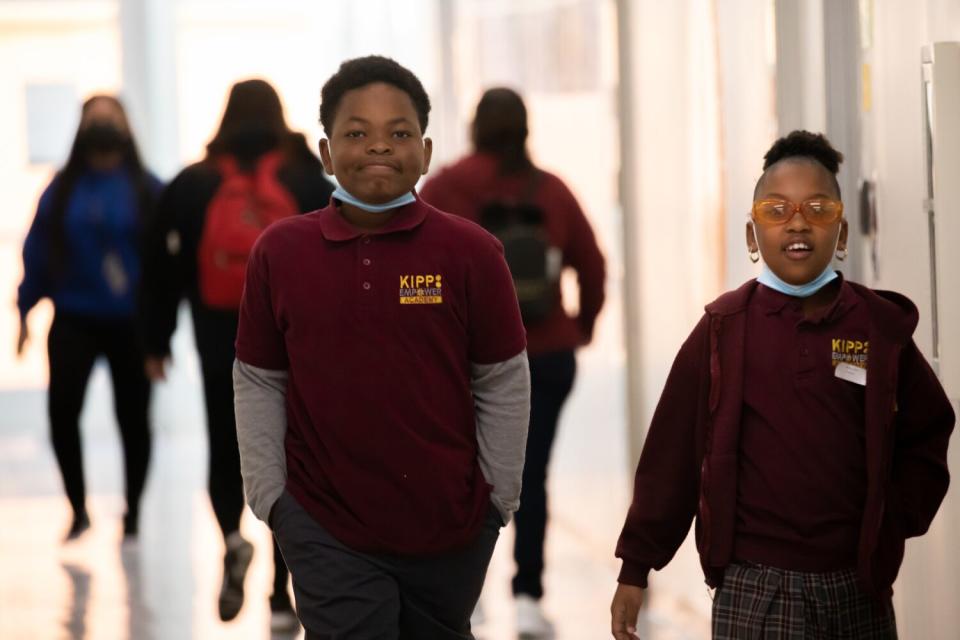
x,y
256,170
543,229
83,252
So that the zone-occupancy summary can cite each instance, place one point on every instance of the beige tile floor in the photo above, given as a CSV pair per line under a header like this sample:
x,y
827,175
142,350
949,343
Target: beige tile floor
x,y
164,586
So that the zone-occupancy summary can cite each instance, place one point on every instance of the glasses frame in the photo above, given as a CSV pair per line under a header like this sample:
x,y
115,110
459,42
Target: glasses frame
x,y
795,208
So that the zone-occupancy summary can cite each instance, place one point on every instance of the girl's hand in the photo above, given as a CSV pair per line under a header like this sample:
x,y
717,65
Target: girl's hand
x,y
624,611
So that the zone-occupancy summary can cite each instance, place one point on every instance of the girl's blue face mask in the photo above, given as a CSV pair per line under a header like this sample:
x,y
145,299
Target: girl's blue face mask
x,y
770,279
343,195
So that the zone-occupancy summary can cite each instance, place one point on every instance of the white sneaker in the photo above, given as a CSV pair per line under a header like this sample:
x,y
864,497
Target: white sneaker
x,y
531,623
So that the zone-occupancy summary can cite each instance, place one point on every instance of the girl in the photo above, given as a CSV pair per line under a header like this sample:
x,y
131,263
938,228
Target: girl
x,y
800,424
82,251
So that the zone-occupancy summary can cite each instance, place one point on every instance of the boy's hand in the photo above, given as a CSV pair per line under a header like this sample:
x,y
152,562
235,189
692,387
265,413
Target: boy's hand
x,y
625,610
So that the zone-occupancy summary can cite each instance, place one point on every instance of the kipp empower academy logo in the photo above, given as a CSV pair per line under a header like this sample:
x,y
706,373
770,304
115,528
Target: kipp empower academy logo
x,y
853,352
421,289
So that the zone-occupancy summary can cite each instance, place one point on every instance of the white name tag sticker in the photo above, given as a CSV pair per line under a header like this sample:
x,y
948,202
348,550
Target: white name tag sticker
x,y
851,373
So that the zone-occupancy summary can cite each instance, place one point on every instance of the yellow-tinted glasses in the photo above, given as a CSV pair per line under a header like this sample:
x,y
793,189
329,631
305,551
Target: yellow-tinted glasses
x,y
818,211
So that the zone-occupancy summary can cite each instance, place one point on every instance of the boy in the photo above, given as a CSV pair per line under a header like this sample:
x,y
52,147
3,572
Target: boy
x,y
802,426
381,381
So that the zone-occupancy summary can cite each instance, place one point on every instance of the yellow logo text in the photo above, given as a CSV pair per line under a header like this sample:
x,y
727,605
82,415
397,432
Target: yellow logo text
x,y
421,289
851,351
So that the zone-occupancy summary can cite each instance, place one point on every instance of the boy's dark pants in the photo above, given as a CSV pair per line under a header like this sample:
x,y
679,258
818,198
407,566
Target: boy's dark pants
x,y
551,378
343,594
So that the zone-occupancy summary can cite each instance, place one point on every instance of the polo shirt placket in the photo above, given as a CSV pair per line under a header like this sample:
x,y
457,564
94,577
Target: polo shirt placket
x,y
366,274
803,329
801,474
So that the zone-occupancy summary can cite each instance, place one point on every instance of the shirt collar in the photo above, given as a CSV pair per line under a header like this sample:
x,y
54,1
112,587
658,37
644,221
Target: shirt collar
x,y
336,228
774,302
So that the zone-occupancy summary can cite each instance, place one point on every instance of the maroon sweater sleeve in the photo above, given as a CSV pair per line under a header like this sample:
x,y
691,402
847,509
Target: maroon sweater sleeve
x,y
666,485
583,254
924,420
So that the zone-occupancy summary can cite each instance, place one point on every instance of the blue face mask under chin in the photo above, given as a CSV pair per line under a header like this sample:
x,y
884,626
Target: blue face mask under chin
x,y
769,279
343,195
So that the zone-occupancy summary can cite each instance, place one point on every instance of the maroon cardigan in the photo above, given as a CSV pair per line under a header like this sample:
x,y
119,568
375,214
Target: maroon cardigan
x,y
689,462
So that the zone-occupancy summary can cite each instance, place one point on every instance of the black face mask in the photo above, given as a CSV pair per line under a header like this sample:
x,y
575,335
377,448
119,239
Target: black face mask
x,y
102,137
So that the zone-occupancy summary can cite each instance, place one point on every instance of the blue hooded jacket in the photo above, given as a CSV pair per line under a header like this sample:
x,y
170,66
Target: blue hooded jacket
x,y
103,222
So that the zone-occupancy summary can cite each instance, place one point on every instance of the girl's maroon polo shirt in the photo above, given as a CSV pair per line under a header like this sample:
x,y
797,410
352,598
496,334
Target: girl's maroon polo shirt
x,y
377,331
802,477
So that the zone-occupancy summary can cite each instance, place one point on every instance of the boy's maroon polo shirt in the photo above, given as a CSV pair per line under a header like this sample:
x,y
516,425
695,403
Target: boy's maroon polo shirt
x,y
377,330
802,478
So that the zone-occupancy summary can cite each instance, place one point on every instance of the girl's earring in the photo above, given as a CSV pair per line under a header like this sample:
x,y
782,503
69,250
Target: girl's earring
x,y
842,253
755,256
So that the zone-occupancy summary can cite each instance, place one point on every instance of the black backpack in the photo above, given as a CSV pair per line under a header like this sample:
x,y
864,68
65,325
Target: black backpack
x,y
534,263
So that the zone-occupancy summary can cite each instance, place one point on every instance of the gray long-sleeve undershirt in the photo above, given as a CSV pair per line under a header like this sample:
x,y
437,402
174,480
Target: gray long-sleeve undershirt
x,y
502,399
501,396
260,404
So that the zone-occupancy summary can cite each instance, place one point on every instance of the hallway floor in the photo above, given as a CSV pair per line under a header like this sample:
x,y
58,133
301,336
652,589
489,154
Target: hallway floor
x,y
164,585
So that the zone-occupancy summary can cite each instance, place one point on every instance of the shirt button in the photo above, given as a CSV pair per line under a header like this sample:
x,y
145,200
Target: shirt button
x,y
366,262
805,351
366,239
366,286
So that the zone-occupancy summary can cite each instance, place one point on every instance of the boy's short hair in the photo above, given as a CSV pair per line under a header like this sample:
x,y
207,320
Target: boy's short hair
x,y
803,145
359,72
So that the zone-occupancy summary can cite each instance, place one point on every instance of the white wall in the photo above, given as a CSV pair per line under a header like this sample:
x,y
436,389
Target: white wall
x,y
148,35
296,46
926,593
801,91
748,70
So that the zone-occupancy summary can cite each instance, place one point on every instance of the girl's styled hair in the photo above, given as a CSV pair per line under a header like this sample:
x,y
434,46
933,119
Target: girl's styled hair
x,y
804,146
500,128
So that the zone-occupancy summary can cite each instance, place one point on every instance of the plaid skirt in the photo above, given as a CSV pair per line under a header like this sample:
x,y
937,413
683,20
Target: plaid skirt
x,y
757,602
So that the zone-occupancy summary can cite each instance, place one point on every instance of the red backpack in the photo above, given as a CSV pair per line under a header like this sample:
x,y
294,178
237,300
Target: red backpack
x,y
243,206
